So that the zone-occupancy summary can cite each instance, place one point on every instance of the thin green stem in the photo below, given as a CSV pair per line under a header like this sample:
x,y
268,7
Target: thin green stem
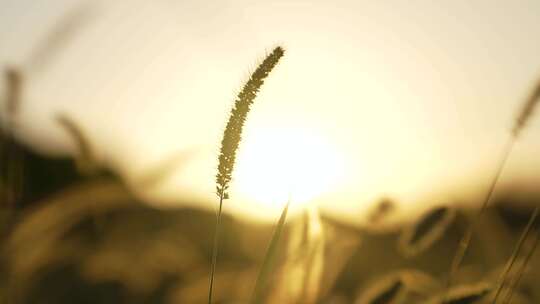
x,y
215,249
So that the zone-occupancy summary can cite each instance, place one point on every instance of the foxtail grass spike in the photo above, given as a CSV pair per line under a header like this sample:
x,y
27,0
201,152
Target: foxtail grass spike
x,y
231,140
233,131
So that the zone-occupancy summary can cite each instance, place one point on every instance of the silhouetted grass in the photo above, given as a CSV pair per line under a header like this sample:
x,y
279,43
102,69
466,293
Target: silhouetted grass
x,y
231,140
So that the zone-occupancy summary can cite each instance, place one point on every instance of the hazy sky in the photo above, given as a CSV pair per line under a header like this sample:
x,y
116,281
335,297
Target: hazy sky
x,y
416,97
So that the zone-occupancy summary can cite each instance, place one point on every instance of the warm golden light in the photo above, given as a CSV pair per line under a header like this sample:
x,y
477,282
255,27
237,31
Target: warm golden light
x,y
275,165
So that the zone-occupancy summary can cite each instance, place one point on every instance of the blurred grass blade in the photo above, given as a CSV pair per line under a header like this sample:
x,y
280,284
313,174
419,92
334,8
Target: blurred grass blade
x,y
300,275
11,162
464,294
515,254
466,239
426,231
527,111
521,270
59,35
86,162
386,290
524,116
14,81
269,260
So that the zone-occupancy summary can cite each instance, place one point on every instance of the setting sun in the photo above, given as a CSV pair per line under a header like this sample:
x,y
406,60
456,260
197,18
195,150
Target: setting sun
x,y
275,165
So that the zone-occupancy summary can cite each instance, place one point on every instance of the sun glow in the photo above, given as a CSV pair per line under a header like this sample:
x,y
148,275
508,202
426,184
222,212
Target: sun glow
x,y
277,165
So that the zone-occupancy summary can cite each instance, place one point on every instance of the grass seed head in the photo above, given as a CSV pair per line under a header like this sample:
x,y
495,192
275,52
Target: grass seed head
x,y
233,131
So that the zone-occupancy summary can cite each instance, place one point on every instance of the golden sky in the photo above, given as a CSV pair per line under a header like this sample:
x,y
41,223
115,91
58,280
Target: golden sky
x,y
407,99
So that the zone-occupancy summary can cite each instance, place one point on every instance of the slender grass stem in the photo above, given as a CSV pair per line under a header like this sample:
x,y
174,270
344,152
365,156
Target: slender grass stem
x,y
466,239
215,250
520,272
514,255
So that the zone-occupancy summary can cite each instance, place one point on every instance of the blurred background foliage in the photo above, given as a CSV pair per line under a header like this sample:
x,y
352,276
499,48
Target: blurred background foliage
x,y
86,238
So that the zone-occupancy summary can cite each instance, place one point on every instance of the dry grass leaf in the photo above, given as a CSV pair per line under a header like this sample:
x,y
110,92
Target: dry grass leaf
x,y
463,294
426,231
395,287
